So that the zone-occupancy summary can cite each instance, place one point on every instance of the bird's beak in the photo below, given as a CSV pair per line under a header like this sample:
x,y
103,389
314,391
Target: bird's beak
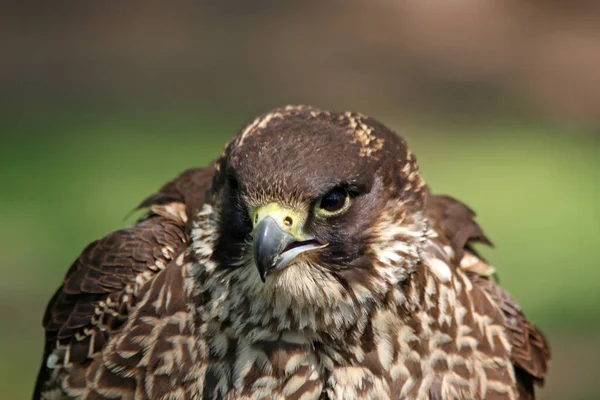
x,y
278,238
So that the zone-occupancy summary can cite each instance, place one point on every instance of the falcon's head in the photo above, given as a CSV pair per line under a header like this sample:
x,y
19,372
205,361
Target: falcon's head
x,y
313,207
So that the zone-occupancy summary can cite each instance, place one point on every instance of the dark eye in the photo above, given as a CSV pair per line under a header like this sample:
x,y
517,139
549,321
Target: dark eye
x,y
334,202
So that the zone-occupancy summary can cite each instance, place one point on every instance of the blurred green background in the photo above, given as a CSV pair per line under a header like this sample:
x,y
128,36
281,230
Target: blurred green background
x,y
501,103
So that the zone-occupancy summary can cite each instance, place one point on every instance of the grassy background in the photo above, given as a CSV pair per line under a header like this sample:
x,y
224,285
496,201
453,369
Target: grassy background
x,y
70,177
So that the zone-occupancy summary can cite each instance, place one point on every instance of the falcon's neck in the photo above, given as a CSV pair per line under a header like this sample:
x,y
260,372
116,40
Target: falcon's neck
x,y
307,302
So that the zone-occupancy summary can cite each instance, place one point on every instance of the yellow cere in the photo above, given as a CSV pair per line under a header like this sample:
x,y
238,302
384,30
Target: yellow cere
x,y
289,219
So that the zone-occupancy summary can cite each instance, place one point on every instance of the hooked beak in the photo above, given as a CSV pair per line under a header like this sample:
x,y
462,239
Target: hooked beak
x,y
278,239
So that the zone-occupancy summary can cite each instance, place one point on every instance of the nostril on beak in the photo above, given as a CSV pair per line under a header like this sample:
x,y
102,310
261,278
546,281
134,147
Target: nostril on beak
x,y
288,221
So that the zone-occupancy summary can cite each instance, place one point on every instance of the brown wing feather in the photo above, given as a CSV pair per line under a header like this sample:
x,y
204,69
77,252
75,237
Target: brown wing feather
x,y
456,222
182,196
100,287
530,352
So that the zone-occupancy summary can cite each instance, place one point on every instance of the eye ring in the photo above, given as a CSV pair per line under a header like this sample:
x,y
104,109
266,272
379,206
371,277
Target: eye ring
x,y
334,202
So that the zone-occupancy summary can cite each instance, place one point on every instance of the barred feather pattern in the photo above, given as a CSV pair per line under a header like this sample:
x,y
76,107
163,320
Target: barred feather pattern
x,y
427,337
442,339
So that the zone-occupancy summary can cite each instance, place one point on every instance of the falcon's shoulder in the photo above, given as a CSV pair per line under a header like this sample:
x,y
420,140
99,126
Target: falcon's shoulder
x,y
456,222
183,196
530,353
102,285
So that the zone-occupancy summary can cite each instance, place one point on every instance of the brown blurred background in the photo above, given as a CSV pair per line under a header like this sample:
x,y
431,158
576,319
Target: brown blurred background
x,y
102,102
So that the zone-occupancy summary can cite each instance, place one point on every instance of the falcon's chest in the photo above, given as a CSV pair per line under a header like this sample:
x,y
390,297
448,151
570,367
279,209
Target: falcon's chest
x,y
446,349
286,366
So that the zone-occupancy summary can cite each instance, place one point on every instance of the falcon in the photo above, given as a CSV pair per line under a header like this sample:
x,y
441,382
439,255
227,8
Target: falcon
x,y
310,261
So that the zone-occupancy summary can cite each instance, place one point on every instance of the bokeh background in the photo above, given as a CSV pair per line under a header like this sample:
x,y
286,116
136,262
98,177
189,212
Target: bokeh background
x,y
102,102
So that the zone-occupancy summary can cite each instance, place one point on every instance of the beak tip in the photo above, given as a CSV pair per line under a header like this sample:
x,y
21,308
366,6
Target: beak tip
x,y
269,240
262,270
